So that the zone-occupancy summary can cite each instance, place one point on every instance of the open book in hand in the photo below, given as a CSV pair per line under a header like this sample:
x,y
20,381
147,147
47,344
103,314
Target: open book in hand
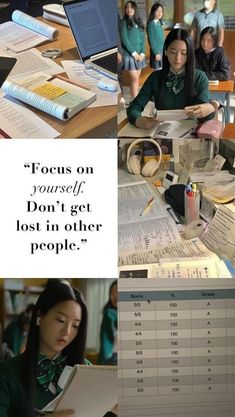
x,y
90,391
55,97
25,32
166,129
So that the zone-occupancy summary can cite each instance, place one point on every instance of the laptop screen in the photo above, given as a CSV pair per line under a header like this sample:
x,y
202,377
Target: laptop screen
x,y
94,25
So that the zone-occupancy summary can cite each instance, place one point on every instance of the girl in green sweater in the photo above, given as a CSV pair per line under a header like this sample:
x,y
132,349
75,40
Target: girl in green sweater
x,y
177,86
155,35
57,337
133,44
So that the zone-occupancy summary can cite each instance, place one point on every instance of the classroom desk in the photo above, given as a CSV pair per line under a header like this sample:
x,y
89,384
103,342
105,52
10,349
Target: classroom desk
x,y
224,88
91,122
229,131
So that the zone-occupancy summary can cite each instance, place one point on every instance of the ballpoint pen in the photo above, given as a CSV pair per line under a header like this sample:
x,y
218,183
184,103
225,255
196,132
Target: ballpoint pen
x,y
148,206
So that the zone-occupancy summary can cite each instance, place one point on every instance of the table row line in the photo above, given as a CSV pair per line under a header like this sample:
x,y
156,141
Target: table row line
x,y
176,333
182,389
182,324
179,343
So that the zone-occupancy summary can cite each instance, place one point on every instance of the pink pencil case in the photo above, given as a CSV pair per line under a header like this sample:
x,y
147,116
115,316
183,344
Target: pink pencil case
x,y
210,130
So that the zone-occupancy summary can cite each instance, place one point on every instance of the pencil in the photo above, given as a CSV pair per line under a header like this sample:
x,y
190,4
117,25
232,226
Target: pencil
x,y
72,82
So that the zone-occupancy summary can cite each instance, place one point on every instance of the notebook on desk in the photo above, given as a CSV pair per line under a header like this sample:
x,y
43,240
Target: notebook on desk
x,y
94,27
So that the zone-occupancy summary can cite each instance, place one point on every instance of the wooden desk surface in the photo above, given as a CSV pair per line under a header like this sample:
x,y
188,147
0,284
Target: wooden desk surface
x,y
223,87
92,122
229,131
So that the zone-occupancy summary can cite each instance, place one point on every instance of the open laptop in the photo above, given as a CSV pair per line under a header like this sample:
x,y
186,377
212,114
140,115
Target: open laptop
x,y
6,65
94,27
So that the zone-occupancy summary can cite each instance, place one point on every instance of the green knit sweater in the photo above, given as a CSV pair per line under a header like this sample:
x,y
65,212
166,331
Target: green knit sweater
x,y
168,100
155,37
11,389
133,40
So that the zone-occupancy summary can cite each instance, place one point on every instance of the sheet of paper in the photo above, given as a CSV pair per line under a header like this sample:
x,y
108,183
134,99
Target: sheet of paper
x,y
193,248
130,208
220,237
76,71
92,392
125,178
17,38
30,62
164,115
179,268
16,121
220,193
130,131
167,329
147,235
214,177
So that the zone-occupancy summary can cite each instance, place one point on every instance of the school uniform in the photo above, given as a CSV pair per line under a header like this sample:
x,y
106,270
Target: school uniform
x,y
170,95
5,352
215,64
14,337
133,42
108,334
156,41
202,20
11,386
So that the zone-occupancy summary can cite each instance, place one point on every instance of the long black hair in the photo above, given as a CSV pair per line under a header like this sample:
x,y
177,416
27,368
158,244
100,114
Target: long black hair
x,y
212,32
154,7
52,295
109,304
136,20
182,35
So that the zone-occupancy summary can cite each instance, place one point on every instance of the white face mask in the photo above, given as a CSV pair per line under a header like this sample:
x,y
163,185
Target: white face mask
x,y
207,4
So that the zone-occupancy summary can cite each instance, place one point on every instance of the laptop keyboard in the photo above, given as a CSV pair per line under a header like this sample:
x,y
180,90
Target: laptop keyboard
x,y
109,62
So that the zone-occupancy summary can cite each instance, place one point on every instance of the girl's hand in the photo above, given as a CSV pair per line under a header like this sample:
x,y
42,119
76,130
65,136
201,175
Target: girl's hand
x,y
141,57
64,413
200,110
115,410
137,57
158,57
144,122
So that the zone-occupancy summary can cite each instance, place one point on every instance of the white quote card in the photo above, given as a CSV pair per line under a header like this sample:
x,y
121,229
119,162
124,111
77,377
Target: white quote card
x,y
58,211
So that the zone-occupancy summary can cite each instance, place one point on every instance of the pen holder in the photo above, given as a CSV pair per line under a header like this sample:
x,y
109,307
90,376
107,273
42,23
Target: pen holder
x,y
191,206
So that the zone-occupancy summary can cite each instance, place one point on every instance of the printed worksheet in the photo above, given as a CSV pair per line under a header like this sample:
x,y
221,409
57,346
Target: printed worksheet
x,y
220,237
192,248
138,203
147,235
176,348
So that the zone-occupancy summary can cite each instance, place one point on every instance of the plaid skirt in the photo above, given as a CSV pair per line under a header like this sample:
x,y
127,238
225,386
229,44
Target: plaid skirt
x,y
130,64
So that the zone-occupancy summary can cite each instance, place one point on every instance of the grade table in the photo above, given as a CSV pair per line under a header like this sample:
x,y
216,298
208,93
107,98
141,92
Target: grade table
x,y
177,347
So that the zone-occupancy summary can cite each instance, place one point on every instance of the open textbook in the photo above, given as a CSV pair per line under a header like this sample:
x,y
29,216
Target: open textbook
x,y
164,129
18,122
55,97
25,32
89,390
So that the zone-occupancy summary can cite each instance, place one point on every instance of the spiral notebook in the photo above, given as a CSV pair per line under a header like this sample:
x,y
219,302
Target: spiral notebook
x,y
90,390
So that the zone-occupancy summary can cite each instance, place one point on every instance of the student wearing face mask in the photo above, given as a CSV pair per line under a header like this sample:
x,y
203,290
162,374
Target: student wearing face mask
x,y
208,16
211,58
177,86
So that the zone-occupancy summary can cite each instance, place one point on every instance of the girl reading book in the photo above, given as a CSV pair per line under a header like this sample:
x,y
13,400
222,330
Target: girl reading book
x,y
177,86
57,337
155,35
133,44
